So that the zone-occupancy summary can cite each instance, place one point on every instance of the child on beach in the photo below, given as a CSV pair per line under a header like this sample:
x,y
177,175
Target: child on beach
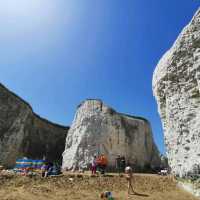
x,y
129,177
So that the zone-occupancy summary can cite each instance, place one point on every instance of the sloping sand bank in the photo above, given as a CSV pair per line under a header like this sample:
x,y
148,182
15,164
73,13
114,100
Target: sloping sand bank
x,y
71,187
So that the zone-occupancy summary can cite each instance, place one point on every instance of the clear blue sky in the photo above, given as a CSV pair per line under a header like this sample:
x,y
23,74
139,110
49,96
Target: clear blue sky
x,y
55,54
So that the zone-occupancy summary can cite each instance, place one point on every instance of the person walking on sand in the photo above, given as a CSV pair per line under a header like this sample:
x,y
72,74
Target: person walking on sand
x,y
129,177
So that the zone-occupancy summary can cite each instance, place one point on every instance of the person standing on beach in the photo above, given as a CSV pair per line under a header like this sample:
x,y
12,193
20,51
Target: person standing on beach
x,y
129,177
104,163
94,165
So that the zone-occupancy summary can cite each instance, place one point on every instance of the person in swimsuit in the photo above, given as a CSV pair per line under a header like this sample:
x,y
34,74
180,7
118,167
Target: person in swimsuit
x,y
129,177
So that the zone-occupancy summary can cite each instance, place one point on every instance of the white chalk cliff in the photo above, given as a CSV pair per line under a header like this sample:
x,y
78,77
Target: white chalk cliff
x,y
99,129
176,86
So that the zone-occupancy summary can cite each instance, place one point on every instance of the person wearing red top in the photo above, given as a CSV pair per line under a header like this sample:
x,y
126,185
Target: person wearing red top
x,y
102,163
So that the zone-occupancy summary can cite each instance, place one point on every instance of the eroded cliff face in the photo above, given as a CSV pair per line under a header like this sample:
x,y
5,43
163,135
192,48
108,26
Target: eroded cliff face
x,y
23,133
99,129
176,86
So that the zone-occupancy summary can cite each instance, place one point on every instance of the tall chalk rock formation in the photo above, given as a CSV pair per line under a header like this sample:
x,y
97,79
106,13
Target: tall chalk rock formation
x,y
99,129
176,86
23,133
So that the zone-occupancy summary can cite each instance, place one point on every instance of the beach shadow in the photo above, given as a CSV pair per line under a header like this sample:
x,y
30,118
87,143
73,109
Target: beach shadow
x,y
139,194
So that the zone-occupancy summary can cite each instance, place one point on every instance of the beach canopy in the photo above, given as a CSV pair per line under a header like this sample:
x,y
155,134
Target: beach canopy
x,y
29,163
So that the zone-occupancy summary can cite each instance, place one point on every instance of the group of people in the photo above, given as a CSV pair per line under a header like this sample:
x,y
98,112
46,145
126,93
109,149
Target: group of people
x,y
99,163
50,169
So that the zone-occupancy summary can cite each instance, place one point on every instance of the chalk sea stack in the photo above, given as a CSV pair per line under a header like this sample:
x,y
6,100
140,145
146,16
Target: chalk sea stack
x,y
176,86
25,134
98,129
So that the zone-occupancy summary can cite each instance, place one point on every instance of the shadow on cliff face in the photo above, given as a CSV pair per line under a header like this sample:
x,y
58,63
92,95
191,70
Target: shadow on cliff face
x,y
25,134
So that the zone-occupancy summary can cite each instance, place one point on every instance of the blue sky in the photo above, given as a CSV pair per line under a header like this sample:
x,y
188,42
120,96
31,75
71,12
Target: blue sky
x,y
54,54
